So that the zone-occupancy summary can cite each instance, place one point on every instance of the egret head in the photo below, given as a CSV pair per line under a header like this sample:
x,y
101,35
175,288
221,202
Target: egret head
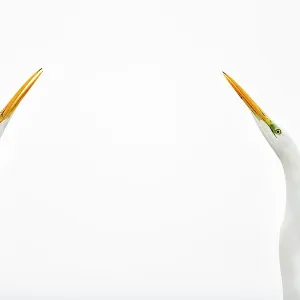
x,y
276,136
7,112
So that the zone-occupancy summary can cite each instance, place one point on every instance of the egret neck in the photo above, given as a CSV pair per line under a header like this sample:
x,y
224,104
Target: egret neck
x,y
287,152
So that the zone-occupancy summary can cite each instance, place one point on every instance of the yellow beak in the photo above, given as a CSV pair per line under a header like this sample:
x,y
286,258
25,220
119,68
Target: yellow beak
x,y
11,106
259,113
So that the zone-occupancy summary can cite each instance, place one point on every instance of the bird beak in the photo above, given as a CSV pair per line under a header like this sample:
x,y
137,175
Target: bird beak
x,y
11,106
258,112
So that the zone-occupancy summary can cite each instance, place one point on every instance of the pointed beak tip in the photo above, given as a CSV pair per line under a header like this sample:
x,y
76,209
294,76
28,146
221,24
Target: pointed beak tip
x,y
17,98
258,112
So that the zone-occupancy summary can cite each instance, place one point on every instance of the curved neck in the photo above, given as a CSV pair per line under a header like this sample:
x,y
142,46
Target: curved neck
x,y
291,168
289,242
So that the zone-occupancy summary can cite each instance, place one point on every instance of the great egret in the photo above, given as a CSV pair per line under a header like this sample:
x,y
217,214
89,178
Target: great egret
x,y
287,152
9,109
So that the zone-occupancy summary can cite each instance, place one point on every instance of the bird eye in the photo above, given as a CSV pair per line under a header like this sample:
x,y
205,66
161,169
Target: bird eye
x,y
278,131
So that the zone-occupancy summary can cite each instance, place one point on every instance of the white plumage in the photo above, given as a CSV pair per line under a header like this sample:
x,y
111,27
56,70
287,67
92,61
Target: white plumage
x,y
287,152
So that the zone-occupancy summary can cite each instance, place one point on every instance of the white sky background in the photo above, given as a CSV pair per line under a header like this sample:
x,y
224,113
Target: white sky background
x,y
132,168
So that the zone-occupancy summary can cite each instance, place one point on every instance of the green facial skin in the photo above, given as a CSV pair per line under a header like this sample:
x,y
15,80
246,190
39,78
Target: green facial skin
x,y
275,129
